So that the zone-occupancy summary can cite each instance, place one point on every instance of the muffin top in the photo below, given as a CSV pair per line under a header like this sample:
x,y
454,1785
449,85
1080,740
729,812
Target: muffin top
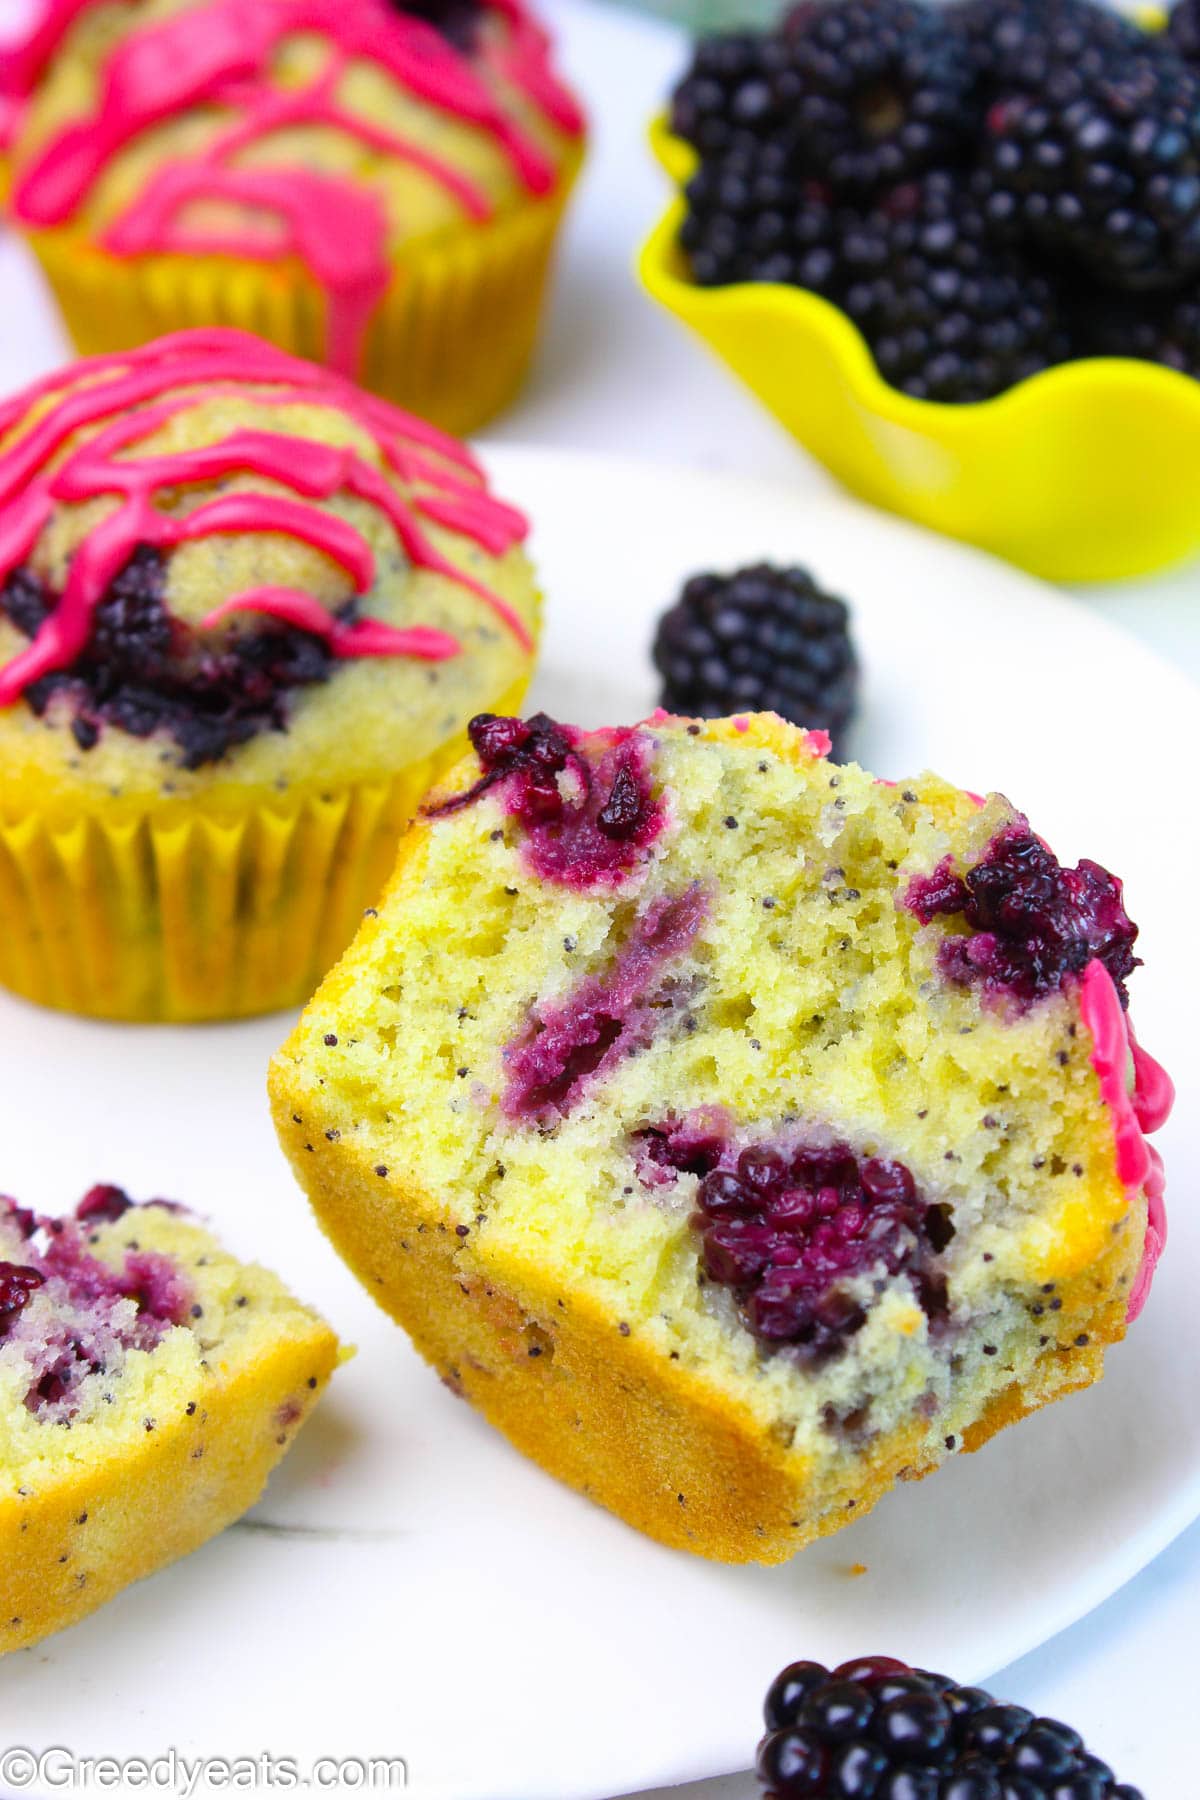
x,y
334,131
223,566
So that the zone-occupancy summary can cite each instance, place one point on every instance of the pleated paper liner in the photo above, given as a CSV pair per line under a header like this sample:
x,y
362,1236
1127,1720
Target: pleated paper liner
x,y
450,341
184,916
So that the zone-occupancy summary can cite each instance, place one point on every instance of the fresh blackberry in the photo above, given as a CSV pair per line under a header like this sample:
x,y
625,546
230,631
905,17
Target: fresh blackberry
x,y
751,217
1142,326
728,96
1183,29
764,639
948,314
875,90
1027,46
1177,344
1103,174
874,1729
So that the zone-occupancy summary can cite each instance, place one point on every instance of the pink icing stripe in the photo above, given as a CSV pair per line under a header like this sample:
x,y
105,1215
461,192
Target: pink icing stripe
x,y
317,105
361,637
1153,1090
496,528
215,363
337,230
1133,1112
221,56
21,64
527,66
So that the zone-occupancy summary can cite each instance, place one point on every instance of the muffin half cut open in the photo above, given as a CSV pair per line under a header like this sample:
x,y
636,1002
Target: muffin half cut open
x,y
738,1132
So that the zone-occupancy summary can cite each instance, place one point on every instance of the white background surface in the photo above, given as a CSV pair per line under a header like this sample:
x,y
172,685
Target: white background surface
x,y
616,374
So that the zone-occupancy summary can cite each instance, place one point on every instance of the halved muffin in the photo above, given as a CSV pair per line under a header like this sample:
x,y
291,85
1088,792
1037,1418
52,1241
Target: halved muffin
x,y
740,1133
149,1383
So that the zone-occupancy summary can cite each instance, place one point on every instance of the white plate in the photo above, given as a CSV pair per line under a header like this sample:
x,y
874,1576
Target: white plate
x,y
410,1586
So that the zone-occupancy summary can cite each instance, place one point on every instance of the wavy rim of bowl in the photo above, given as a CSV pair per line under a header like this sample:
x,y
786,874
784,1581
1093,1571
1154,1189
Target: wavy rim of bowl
x,y
657,265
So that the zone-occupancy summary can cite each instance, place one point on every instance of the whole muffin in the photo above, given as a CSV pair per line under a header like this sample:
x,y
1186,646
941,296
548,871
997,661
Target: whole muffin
x,y
372,186
246,613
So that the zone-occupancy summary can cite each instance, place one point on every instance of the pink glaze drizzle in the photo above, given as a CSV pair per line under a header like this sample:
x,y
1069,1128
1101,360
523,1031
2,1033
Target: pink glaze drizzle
x,y
220,55
219,363
1133,1113
361,637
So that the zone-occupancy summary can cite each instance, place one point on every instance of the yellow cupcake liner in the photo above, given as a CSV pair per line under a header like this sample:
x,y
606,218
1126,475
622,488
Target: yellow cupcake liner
x,y
1085,472
451,340
192,914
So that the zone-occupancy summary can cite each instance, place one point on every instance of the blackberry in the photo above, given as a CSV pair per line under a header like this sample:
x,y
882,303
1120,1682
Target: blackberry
x,y
764,639
1177,343
788,1227
1032,922
949,315
1164,331
17,1286
457,20
752,217
587,818
1183,29
1030,45
876,91
533,753
103,1204
874,1729
728,97
143,671
789,1232
1103,174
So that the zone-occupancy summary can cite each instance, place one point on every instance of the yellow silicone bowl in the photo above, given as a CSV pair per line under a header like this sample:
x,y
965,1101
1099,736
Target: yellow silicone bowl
x,y
1086,472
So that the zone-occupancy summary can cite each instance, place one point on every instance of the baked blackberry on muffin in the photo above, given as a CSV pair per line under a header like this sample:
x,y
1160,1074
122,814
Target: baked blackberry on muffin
x,y
149,1383
246,611
738,1132
368,184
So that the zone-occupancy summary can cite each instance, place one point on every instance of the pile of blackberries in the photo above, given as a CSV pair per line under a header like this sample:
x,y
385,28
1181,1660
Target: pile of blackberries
x,y
986,188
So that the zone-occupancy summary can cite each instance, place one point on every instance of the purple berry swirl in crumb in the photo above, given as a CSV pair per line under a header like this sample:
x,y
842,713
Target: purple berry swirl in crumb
x,y
567,1047
582,800
69,1315
1032,923
876,1729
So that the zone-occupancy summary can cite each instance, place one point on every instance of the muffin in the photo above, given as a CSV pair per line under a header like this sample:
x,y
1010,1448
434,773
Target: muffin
x,y
246,611
149,1383
371,186
756,1134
